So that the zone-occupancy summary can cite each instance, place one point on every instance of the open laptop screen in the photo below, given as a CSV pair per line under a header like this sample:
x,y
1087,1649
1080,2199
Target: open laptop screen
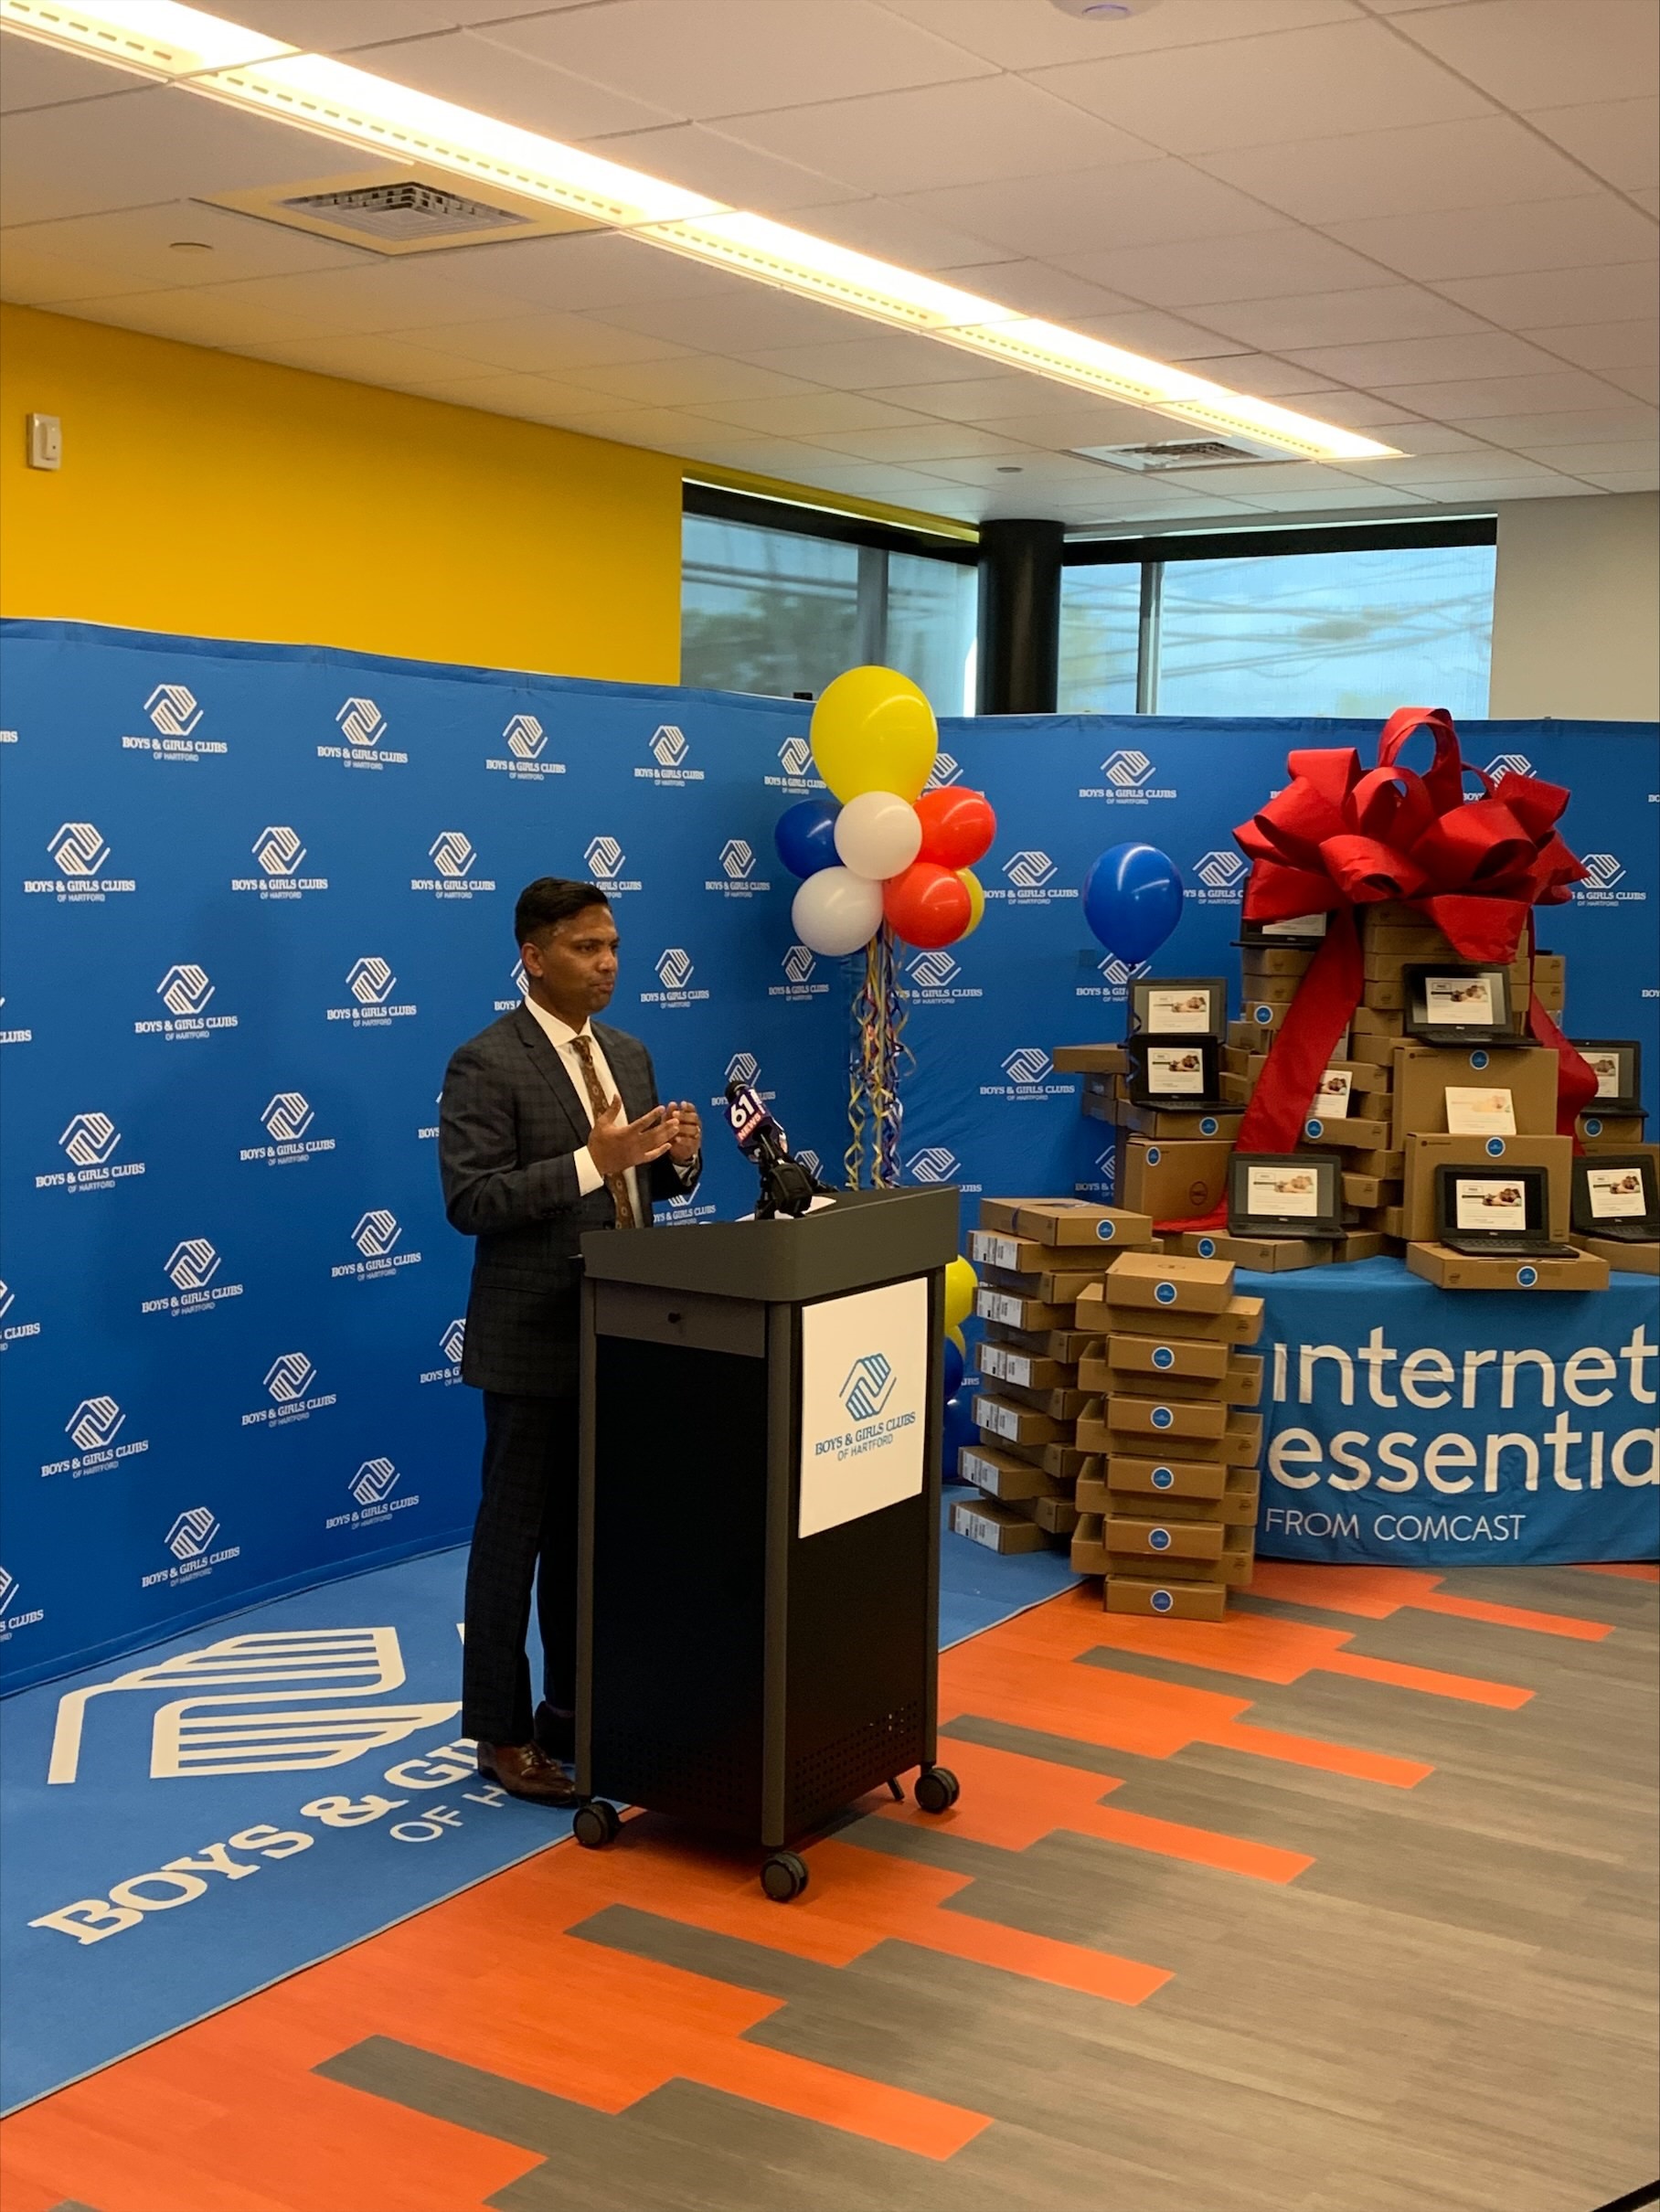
x,y
1618,1191
1491,1201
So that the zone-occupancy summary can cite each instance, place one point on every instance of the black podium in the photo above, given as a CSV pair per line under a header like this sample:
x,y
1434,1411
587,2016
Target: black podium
x,y
758,1562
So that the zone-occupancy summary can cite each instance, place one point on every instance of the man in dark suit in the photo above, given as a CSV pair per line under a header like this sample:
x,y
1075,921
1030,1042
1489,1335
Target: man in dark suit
x,y
548,1126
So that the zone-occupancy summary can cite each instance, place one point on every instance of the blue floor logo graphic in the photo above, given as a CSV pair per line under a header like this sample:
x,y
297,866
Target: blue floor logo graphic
x,y
868,1386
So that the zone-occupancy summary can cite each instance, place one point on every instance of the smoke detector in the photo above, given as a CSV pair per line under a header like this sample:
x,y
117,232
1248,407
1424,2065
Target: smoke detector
x,y
1230,452
416,211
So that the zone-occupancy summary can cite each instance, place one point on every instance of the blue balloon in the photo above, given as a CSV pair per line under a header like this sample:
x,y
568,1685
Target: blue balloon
x,y
1132,899
954,1369
804,835
959,1430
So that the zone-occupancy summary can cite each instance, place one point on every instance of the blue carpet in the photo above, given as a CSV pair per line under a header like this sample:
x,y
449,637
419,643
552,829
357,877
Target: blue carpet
x,y
241,1801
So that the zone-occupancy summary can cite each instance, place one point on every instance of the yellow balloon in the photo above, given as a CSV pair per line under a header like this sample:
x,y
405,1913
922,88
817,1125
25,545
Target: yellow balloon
x,y
961,1282
976,900
956,1336
873,729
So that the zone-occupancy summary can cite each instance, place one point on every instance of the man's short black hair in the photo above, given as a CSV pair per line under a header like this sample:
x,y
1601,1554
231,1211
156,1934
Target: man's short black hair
x,y
550,899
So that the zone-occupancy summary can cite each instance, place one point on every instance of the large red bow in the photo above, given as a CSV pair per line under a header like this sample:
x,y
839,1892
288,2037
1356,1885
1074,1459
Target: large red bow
x,y
1337,837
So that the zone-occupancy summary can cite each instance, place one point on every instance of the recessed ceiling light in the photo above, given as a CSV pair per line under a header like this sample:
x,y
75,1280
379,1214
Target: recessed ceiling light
x,y
1102,11
223,62
1009,468
190,245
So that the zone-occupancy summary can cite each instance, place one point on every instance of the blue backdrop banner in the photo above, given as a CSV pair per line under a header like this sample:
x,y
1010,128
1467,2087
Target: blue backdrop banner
x,y
253,897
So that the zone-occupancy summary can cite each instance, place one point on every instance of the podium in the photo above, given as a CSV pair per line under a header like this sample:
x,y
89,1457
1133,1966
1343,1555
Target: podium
x,y
759,1531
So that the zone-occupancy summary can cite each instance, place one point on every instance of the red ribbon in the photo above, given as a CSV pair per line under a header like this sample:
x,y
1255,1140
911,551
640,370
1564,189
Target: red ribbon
x,y
1338,837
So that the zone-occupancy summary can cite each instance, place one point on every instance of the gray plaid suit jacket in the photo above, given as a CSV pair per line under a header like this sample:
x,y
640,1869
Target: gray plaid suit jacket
x,y
510,1126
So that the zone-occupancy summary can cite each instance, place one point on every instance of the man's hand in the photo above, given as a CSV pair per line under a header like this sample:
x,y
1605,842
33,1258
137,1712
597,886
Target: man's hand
x,y
687,1140
614,1144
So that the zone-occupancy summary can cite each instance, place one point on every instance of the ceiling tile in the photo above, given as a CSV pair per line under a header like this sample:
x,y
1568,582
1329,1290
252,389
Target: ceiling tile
x,y
1380,312
1315,505
475,71
324,27
897,230
1056,421
812,412
1648,201
749,319
1058,218
1162,337
1363,411
1578,427
1264,376
925,441
1470,398
36,76
1485,164
969,399
1615,292
541,345
1625,480
162,143
1257,480
590,270
379,294
697,379
29,277
703,57
1272,262
1537,53
367,357
1262,90
971,133
691,154
1642,383
666,428
1482,353
1633,453
1039,288
1619,139
1600,345
1490,495
533,399
197,317
1492,241
1020,37
133,249
884,357
1475,466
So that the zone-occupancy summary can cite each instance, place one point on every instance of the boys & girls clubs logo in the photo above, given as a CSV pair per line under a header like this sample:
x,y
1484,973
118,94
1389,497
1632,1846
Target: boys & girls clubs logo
x,y
174,718
525,759
363,725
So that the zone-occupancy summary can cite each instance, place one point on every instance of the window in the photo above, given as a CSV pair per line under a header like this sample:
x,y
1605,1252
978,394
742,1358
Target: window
x,y
785,610
1350,629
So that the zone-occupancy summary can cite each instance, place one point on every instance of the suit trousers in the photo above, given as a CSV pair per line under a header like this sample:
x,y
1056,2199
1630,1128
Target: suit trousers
x,y
526,1532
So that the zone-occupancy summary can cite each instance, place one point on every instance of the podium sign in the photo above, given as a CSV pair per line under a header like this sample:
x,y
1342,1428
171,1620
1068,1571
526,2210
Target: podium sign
x,y
864,1399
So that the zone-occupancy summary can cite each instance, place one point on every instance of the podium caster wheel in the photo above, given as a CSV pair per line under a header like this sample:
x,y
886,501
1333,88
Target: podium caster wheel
x,y
595,1825
784,1876
937,1789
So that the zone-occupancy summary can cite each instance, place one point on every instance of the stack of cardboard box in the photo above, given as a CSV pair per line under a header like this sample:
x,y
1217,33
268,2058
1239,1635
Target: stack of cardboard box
x,y
1037,1258
1167,1505
1169,1165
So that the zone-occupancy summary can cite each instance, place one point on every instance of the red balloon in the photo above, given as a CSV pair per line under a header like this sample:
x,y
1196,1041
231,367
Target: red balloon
x,y
928,905
958,826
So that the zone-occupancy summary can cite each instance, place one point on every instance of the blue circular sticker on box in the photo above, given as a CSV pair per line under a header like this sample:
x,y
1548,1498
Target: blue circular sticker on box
x,y
1159,1539
1162,1416
1152,1155
1165,1291
1163,1479
1264,1015
1495,1148
1162,1357
1106,1230
1207,1126
1161,1600
1478,1059
1206,1248
1593,1125
1313,1129
1526,1277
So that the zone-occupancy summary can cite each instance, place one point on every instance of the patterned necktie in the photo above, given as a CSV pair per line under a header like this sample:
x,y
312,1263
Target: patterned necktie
x,y
617,1184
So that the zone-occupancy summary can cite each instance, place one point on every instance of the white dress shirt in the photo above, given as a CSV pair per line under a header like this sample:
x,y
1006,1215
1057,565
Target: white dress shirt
x,y
562,1037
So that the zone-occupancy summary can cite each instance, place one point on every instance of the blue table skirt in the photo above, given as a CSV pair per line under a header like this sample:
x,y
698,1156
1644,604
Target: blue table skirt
x,y
1416,1427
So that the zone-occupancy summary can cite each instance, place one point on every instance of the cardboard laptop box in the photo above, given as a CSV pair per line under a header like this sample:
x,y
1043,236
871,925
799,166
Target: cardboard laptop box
x,y
1613,1132
1424,1073
1004,1474
1452,1270
1621,1258
1172,1420
1199,1359
1056,1513
1165,1600
1173,1182
982,1521
1026,1370
1266,1255
1348,1132
1067,1345
1146,1477
1240,1322
1425,1154
1163,1539
1089,1554
1268,959
1374,1021
1013,1311
1011,1423
1070,1222
1088,1059
1362,1244
1163,1283
1062,1283
1168,1127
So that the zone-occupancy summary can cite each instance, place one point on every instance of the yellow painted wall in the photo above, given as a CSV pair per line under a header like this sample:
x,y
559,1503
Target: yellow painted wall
x,y
216,496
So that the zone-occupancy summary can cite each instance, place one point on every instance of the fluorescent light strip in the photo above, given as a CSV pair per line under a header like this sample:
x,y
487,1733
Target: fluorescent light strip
x,y
205,54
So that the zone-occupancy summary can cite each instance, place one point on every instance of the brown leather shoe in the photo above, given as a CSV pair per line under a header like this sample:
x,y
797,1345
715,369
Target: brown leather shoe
x,y
525,1770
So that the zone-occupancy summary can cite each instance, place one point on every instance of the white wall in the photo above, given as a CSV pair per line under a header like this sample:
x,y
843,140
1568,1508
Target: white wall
x,y
1576,612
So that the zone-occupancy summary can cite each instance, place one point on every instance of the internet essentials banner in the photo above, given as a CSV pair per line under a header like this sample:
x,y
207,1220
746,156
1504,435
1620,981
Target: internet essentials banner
x,y
254,896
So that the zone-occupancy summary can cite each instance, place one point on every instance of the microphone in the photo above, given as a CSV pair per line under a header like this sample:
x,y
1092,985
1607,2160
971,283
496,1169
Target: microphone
x,y
786,1188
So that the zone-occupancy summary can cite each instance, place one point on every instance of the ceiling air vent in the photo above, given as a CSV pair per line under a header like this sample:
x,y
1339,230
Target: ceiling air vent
x,y
412,212
1183,453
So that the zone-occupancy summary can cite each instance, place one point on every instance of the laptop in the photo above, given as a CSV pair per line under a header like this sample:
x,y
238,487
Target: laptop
x,y
1178,1006
1301,931
1495,1213
1286,1193
1616,1195
1174,1075
1618,1064
1457,1003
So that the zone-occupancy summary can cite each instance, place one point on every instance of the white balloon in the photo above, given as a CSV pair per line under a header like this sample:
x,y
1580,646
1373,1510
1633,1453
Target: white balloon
x,y
878,835
836,911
